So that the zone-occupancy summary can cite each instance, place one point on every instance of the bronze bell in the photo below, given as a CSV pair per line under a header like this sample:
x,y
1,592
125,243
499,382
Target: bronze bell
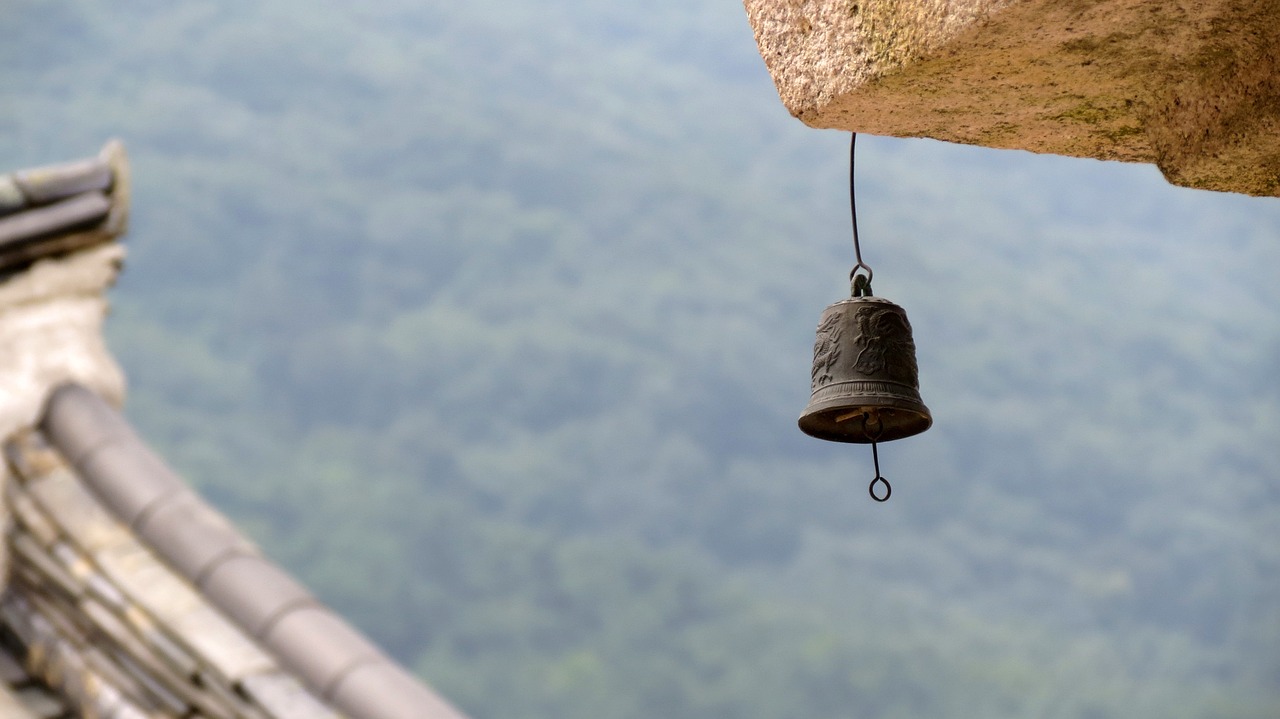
x,y
865,382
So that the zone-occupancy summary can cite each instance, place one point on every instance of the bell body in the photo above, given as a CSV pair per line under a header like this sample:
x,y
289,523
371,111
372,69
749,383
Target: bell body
x,y
865,382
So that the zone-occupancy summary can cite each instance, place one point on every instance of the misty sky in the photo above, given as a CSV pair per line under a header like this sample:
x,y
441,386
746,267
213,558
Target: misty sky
x,y
1100,350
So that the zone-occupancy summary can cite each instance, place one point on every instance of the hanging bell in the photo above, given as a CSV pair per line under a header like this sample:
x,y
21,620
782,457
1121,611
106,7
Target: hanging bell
x,y
865,382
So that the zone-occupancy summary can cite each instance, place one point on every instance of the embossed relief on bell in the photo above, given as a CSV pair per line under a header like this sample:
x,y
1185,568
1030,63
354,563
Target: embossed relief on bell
x,y
826,350
885,347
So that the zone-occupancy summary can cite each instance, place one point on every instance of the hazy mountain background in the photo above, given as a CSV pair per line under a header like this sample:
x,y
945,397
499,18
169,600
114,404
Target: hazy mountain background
x,y
492,321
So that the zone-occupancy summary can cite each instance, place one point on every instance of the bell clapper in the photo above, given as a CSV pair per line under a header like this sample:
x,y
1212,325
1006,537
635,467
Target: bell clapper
x,y
871,488
875,455
850,415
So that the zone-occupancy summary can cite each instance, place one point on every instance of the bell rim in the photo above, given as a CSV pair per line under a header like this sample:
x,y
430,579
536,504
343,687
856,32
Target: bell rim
x,y
920,419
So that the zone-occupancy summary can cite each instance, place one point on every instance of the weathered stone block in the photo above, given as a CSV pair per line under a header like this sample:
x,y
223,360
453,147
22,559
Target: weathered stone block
x,y
1193,87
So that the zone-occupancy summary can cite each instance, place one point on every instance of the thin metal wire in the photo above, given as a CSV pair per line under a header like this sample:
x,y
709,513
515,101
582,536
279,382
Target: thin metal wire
x,y
860,286
863,287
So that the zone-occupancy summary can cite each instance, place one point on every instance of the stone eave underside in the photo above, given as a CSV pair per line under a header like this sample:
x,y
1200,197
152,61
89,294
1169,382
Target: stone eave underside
x,y
1191,87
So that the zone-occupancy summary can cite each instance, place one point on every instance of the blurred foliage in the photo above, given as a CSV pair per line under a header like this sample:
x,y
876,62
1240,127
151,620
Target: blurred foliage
x,y
492,322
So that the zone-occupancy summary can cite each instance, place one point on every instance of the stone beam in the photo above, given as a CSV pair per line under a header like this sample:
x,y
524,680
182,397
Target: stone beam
x,y
1190,85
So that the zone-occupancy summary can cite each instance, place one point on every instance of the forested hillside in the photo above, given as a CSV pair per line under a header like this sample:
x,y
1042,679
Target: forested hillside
x,y
492,321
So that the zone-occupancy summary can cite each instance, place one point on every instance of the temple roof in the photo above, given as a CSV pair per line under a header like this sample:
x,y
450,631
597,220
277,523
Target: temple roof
x,y
125,594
